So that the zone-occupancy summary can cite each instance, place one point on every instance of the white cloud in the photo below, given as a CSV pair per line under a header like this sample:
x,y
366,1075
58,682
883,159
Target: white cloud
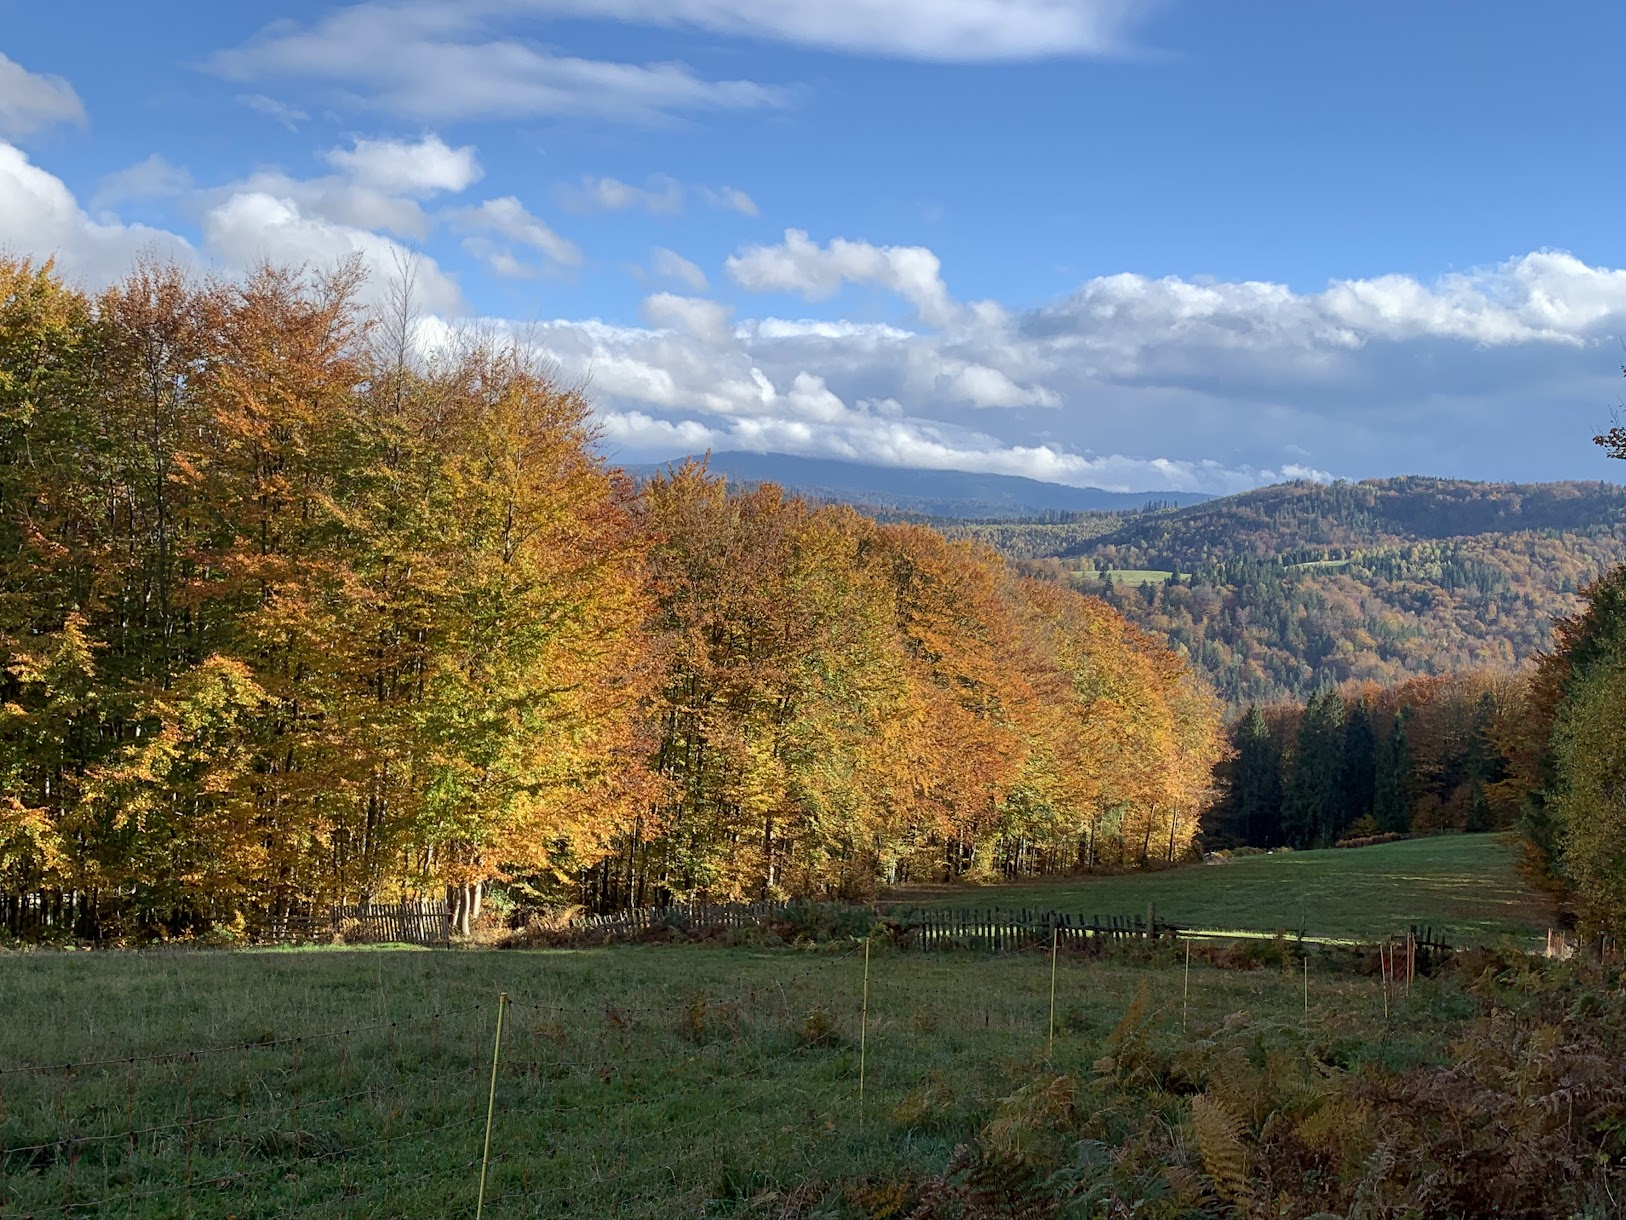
x,y
242,226
705,320
378,185
30,101
802,266
951,30
153,178
659,196
289,116
1128,382
731,199
251,226
40,219
423,168
1125,325
670,265
333,198
508,219
440,62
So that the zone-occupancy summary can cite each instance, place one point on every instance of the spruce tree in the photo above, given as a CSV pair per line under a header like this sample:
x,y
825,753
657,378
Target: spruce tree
x,y
1313,802
1392,796
1256,783
1360,766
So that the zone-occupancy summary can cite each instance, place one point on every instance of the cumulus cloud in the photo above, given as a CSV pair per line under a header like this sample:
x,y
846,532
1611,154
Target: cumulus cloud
x,y
507,218
706,320
439,62
241,226
1129,326
802,266
425,167
30,101
153,178
1127,382
252,226
670,265
40,218
378,185
661,195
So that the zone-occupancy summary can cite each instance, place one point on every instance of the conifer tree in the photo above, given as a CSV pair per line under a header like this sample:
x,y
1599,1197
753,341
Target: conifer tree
x,y
1313,803
1254,803
1392,791
1358,778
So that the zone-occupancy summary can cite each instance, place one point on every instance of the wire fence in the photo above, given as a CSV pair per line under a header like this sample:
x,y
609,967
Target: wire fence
x,y
513,1107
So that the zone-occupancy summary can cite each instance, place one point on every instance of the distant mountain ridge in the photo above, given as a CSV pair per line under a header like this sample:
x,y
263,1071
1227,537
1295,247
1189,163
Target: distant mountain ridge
x,y
1277,591
1334,519
935,493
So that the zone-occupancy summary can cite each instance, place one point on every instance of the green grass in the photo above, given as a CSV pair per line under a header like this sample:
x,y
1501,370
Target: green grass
x,y
1465,886
1129,576
636,1081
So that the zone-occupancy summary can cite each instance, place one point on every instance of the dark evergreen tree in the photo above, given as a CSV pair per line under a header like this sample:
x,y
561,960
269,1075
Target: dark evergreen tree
x,y
1255,798
1392,796
1313,802
1479,810
1360,766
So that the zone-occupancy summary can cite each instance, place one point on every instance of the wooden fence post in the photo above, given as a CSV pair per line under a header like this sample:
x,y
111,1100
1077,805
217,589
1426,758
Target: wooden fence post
x,y
1185,995
863,1037
491,1107
1055,940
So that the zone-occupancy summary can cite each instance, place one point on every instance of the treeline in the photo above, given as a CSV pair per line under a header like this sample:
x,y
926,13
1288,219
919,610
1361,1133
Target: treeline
x,y
1541,752
1430,754
1333,519
290,614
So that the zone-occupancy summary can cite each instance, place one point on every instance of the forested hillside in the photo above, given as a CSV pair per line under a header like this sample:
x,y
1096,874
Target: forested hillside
x,y
291,613
1277,592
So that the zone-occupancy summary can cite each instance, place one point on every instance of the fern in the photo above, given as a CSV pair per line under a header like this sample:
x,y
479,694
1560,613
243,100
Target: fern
x,y
1225,1156
1127,1041
1030,1119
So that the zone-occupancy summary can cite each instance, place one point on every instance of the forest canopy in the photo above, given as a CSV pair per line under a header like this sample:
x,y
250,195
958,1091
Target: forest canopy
x,y
1279,592
295,612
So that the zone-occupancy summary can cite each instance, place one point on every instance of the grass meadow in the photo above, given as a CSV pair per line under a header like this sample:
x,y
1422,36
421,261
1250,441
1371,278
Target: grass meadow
x,y
1466,886
648,1080
753,1079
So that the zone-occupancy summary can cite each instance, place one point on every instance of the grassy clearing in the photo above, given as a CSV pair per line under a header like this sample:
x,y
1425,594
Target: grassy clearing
x,y
636,1081
1465,885
1129,576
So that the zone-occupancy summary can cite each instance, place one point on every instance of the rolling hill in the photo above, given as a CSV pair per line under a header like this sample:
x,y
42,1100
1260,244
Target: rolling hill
x,y
1277,591
933,493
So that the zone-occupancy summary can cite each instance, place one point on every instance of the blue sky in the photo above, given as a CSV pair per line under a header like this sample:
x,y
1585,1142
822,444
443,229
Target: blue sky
x,y
1137,245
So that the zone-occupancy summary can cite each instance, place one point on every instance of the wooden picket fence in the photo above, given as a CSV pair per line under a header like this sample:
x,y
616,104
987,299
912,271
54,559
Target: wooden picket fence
x,y
1000,931
689,915
409,923
1428,946
925,928
990,929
